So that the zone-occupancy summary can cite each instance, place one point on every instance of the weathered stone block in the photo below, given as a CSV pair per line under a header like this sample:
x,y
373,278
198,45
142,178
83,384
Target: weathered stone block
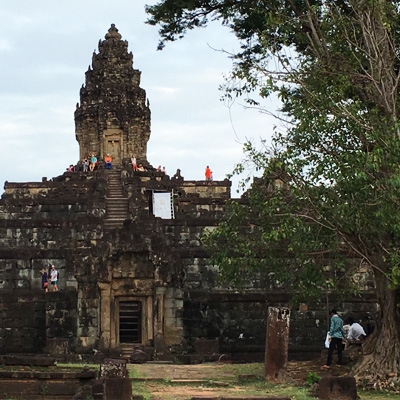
x,y
87,341
337,388
41,360
117,388
206,346
139,356
114,368
173,335
57,347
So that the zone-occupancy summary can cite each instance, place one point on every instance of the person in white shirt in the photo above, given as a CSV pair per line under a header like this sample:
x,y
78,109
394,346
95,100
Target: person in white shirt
x,y
356,333
54,278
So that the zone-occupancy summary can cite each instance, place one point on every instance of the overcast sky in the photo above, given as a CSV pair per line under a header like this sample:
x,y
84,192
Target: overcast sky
x,y
46,47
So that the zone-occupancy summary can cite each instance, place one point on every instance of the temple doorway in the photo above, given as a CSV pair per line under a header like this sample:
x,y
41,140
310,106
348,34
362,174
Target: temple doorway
x,y
113,148
130,322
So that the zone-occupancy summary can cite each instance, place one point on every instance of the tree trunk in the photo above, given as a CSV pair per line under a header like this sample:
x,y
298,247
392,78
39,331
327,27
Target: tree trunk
x,y
381,351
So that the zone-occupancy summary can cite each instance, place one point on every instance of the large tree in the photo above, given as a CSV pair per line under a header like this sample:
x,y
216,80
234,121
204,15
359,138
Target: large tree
x,y
335,67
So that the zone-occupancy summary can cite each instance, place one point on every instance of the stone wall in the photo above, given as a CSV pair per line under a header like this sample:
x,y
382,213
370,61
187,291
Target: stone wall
x,y
51,222
46,383
160,263
22,321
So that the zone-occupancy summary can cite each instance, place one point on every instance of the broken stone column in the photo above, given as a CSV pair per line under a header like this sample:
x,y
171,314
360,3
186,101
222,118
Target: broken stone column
x,y
277,343
116,383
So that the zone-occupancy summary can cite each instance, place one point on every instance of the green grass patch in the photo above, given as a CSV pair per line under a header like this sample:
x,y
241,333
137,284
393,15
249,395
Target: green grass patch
x,y
245,369
371,395
141,388
91,366
134,373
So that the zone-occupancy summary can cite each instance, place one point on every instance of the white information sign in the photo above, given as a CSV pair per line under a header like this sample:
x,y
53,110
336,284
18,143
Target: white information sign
x,y
162,206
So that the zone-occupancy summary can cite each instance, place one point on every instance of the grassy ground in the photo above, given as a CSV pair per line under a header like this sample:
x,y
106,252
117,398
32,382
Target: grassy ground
x,y
216,380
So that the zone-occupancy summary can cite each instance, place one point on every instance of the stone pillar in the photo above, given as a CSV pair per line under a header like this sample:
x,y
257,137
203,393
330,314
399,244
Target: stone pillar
x,y
116,383
159,323
277,343
150,318
105,316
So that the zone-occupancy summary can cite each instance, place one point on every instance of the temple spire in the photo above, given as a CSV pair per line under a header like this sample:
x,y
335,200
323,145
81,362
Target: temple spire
x,y
113,116
113,33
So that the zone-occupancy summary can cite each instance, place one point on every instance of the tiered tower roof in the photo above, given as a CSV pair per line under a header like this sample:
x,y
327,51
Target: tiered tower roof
x,y
113,115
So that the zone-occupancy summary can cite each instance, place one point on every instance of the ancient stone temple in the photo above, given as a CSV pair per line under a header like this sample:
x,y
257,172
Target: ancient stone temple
x,y
113,116
127,246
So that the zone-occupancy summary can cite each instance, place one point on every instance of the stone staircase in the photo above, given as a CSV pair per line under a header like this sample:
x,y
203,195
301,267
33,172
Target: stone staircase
x,y
117,202
126,349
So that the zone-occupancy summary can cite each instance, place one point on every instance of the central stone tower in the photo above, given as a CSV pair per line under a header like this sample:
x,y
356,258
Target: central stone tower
x,y
113,116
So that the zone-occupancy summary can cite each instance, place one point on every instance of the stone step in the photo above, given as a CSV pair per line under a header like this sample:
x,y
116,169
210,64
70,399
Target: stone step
x,y
126,350
113,226
117,201
118,225
116,214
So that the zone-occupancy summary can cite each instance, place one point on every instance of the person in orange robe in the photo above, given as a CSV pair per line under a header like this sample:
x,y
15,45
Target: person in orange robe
x,y
208,173
108,160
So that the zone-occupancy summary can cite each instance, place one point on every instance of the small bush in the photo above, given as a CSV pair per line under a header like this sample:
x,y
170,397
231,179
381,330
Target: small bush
x,y
312,378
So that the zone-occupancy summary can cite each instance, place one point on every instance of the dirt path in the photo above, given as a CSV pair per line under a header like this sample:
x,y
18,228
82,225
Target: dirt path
x,y
297,370
217,379
172,371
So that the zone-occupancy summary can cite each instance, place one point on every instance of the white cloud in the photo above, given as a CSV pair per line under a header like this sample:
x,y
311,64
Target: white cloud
x,y
50,46
5,45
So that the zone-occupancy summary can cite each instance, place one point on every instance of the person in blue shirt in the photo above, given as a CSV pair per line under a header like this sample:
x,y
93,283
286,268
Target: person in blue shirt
x,y
336,333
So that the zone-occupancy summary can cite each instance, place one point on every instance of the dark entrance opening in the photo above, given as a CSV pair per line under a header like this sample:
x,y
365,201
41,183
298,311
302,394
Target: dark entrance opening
x,y
130,322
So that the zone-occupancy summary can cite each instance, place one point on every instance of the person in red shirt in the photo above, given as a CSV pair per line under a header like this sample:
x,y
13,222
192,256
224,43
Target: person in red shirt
x,y
208,173
108,160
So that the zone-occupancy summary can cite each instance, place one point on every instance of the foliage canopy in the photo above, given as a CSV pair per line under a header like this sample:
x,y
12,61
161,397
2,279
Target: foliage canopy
x,y
330,189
